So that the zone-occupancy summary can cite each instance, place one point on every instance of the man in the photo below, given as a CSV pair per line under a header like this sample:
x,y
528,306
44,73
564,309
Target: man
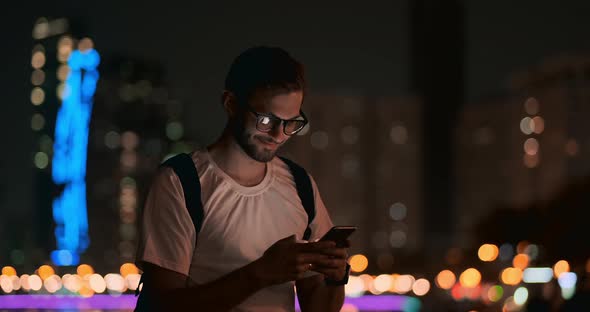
x,y
248,254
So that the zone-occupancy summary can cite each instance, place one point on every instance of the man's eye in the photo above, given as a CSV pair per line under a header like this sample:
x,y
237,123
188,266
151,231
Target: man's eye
x,y
265,120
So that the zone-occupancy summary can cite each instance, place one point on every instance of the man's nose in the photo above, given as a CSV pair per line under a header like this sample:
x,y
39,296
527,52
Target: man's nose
x,y
277,133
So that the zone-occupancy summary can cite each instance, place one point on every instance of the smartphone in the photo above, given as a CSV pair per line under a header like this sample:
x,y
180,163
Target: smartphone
x,y
339,234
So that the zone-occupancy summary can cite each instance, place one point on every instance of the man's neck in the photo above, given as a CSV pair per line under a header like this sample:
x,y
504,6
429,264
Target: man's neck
x,y
232,159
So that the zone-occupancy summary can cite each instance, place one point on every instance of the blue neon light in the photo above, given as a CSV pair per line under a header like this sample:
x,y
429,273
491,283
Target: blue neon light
x,y
69,157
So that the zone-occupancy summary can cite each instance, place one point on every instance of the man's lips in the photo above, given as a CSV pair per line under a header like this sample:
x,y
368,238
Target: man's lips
x,y
268,142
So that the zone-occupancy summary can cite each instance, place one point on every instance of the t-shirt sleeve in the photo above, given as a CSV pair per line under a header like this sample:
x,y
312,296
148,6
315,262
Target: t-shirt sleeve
x,y
167,231
322,223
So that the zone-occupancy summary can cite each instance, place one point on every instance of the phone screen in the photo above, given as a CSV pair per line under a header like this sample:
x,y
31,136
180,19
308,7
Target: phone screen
x,y
339,234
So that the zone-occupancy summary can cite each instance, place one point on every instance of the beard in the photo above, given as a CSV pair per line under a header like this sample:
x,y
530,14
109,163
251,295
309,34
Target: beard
x,y
247,141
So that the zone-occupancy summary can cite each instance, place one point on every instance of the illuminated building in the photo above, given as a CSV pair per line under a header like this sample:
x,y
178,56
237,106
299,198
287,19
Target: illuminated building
x,y
63,78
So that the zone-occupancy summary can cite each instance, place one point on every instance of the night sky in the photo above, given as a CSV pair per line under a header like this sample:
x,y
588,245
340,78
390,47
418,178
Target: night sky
x,y
349,48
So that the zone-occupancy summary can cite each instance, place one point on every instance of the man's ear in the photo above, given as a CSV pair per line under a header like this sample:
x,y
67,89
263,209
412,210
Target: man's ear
x,y
230,103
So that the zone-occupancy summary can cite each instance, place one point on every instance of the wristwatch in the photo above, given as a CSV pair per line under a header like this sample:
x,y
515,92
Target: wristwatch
x,y
344,281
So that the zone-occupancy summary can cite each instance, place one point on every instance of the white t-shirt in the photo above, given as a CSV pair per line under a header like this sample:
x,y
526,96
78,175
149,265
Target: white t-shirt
x,y
239,224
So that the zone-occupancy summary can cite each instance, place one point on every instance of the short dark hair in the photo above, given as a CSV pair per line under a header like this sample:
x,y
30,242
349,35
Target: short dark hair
x,y
262,67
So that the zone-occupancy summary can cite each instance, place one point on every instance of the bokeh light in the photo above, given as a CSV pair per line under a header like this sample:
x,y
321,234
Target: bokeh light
x,y
128,268
525,125
531,106
521,295
45,271
52,283
470,278
495,293
72,282
561,267
538,124
511,276
506,252
24,282
531,161
521,261
174,130
421,287
41,160
62,72
537,275
398,211
521,246
115,283
531,146
488,252
445,279
129,140
37,122
567,280
64,48
37,77
532,251
5,284
37,96
84,269
358,263
354,288
97,283
403,283
15,282
85,44
38,59
132,281
8,271
35,282
383,282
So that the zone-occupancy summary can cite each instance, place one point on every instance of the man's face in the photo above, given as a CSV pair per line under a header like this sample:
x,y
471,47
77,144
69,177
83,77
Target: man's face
x,y
263,146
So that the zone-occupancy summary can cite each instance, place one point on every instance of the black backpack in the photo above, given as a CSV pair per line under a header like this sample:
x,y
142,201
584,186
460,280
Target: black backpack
x,y
185,169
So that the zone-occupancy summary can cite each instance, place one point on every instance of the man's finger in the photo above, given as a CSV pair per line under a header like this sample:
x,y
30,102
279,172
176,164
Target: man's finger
x,y
336,252
316,247
330,263
303,258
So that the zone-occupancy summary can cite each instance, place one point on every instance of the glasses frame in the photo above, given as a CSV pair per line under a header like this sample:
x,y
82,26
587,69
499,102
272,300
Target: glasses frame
x,y
283,122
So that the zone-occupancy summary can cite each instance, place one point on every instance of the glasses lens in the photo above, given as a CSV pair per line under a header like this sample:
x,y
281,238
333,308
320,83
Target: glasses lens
x,y
265,123
293,126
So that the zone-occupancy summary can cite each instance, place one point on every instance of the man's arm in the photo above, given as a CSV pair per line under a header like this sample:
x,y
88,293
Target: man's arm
x,y
284,261
315,295
168,291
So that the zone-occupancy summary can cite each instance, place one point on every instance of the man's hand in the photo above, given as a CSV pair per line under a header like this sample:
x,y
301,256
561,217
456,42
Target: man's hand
x,y
287,260
333,264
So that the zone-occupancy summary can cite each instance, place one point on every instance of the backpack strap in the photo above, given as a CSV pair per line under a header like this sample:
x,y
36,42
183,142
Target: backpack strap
x,y
185,169
304,190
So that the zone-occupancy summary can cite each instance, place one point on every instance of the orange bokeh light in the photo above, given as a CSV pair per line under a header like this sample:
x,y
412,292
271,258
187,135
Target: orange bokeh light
x,y
445,279
488,252
128,268
521,261
84,269
511,276
561,267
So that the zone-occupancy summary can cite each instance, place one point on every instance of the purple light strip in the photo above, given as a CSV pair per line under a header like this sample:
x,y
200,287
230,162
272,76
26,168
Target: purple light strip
x,y
373,303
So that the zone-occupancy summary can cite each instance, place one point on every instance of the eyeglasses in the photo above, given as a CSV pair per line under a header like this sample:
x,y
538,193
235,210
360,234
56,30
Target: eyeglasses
x,y
267,122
